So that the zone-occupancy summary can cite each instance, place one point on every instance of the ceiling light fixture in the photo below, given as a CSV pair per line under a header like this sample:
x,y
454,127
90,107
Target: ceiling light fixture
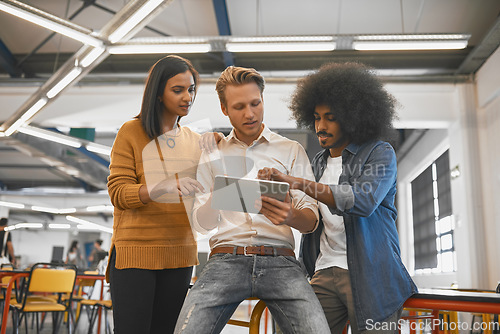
x,y
160,48
280,47
98,148
85,224
50,135
281,44
64,82
60,226
410,42
133,20
53,210
100,208
26,116
12,205
49,21
28,225
92,56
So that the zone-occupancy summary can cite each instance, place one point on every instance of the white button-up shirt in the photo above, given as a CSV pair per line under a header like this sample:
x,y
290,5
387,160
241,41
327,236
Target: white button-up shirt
x,y
237,159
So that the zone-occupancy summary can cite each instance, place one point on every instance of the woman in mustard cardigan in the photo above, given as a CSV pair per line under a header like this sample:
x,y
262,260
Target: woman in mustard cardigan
x,y
151,183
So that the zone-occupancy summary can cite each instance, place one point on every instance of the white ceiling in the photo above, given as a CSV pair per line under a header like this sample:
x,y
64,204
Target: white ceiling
x,y
269,17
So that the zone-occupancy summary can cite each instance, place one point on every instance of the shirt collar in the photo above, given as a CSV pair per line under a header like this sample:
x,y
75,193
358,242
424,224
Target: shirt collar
x,y
353,148
266,134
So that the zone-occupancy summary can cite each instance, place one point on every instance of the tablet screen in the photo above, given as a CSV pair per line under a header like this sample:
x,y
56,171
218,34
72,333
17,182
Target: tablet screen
x,y
240,194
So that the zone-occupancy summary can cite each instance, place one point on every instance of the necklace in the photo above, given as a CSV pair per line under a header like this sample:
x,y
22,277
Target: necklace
x,y
171,139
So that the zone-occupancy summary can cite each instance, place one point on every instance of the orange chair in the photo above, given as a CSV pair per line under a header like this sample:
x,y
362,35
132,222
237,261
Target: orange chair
x,y
93,306
46,278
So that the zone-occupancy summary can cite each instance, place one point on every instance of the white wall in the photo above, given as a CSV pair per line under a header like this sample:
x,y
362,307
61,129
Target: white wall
x,y
488,113
35,245
433,143
473,136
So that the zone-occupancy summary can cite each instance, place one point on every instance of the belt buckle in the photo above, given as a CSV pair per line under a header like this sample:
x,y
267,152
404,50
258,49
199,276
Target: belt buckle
x,y
245,251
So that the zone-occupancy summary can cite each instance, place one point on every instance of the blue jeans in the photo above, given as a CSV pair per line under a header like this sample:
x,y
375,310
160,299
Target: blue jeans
x,y
229,279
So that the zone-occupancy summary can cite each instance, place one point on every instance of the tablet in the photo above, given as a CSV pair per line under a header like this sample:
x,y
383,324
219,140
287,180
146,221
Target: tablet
x,y
240,194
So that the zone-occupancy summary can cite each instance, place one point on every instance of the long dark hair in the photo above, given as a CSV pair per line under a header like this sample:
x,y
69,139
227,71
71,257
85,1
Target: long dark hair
x,y
74,246
159,74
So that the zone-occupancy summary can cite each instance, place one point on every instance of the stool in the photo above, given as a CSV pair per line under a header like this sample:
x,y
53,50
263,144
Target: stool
x,y
256,315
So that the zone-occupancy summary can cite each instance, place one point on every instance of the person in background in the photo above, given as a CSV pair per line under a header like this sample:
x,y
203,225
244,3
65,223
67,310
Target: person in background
x,y
74,256
153,249
252,254
97,255
6,248
353,258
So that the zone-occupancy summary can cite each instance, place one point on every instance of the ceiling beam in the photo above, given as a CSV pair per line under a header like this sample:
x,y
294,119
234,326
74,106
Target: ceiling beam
x,y
478,56
75,64
220,8
65,159
85,4
8,62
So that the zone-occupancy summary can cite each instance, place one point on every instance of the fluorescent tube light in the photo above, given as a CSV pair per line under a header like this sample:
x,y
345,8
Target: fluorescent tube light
x,y
98,148
160,48
28,225
92,56
100,208
53,210
411,42
76,220
409,45
27,115
280,46
48,21
280,43
12,205
85,224
60,226
134,20
85,227
67,210
50,135
34,109
69,170
64,82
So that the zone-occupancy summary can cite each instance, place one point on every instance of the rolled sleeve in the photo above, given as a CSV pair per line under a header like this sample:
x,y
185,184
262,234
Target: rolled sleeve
x,y
205,177
344,198
302,169
376,180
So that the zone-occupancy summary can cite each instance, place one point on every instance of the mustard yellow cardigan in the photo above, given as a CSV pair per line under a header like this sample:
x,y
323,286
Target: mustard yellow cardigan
x,y
154,235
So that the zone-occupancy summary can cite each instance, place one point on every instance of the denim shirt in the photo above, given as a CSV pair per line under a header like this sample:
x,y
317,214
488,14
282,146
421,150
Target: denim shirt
x,y
365,199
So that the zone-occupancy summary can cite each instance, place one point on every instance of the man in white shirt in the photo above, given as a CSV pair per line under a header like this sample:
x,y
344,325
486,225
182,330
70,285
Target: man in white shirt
x,y
252,254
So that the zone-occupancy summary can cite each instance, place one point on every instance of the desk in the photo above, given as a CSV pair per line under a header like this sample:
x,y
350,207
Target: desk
x,y
17,274
449,300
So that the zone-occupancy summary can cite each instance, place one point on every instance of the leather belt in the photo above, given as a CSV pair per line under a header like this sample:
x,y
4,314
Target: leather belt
x,y
253,250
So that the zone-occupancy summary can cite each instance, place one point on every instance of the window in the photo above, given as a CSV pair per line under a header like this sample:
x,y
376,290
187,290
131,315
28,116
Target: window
x,y
433,223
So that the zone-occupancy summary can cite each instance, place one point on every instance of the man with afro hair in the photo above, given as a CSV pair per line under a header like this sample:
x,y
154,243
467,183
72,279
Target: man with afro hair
x,y
353,257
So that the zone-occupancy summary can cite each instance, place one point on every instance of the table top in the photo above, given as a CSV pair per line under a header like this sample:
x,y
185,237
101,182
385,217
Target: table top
x,y
446,294
18,271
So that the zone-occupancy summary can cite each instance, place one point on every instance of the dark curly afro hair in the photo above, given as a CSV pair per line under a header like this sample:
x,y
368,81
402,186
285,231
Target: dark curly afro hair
x,y
362,107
